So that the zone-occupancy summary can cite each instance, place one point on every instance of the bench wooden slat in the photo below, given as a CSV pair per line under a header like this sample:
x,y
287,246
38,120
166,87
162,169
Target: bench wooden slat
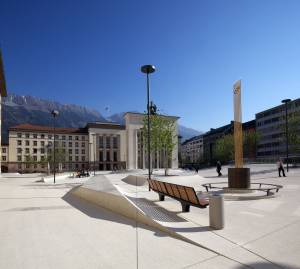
x,y
182,193
191,195
162,186
175,191
155,185
169,189
151,183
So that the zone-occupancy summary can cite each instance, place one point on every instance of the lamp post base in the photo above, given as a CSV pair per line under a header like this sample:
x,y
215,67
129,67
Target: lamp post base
x,y
239,178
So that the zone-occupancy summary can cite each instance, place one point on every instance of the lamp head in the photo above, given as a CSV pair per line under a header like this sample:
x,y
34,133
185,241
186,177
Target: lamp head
x,y
148,69
54,113
285,101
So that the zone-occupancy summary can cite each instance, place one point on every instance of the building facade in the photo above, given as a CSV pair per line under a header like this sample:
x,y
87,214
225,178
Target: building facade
x,y
99,146
270,124
210,138
192,150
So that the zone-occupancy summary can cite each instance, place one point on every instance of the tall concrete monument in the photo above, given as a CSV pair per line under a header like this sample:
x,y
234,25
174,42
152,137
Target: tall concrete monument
x,y
3,93
238,177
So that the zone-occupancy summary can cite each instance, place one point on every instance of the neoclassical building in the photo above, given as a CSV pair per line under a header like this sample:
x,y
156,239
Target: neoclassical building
x,y
99,146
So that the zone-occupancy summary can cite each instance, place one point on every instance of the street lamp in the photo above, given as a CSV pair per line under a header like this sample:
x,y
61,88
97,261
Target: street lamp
x,y
94,135
286,101
148,69
54,113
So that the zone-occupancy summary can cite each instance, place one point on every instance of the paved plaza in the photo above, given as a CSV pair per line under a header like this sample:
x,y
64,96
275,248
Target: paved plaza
x,y
43,226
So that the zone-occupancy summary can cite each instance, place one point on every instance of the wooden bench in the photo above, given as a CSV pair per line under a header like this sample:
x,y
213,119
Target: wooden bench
x,y
185,195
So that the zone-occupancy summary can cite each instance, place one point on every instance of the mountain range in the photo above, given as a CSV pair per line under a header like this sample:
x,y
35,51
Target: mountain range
x,y
18,109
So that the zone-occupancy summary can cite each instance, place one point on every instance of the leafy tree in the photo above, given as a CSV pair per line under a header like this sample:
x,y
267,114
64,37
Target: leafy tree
x,y
250,140
163,137
224,148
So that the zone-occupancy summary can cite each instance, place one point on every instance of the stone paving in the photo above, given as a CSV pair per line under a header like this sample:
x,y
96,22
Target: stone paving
x,y
41,226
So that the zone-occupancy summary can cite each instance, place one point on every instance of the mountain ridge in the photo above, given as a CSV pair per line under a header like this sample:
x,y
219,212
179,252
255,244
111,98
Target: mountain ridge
x,y
17,109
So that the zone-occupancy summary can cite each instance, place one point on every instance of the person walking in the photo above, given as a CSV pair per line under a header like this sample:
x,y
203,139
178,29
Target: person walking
x,y
280,168
219,168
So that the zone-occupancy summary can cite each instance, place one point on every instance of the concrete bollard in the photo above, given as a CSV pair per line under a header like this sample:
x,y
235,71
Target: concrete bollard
x,y
216,211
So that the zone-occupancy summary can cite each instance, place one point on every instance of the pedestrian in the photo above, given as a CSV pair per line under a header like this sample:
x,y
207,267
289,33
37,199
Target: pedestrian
x,y
219,168
196,169
280,168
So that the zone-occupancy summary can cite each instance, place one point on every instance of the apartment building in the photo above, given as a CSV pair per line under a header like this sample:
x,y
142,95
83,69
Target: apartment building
x,y
100,146
192,150
210,138
270,124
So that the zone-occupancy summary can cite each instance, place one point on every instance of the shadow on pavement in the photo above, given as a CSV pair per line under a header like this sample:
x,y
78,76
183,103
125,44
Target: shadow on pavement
x,y
262,265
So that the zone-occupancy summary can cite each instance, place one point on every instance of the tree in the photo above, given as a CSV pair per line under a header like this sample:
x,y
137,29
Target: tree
x,y
163,137
224,148
60,156
250,140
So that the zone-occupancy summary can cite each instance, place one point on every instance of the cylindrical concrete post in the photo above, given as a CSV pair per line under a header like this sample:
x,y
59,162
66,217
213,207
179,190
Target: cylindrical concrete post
x,y
216,211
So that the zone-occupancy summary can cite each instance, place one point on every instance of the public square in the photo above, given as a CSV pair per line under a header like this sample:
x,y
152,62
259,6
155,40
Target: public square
x,y
45,226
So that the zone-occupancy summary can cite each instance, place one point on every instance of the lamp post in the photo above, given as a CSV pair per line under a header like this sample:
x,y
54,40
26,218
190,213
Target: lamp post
x,y
286,101
94,135
54,113
148,69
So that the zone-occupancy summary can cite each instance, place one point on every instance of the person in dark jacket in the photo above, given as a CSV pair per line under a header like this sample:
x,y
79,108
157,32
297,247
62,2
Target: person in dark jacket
x,y
280,168
219,168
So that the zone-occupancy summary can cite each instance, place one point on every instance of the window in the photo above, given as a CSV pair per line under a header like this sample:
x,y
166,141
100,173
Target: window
x,y
70,151
19,158
19,135
19,142
35,158
35,166
63,137
101,156
83,158
56,143
70,144
27,150
4,158
35,143
76,158
63,144
115,142
76,137
42,151
42,143
76,144
42,158
101,142
115,156
19,166
42,136
27,165
76,151
42,165
108,156
49,136
27,142
27,135
82,151
70,137
34,151
108,142
19,150
34,135
56,137
3,150
83,144
70,158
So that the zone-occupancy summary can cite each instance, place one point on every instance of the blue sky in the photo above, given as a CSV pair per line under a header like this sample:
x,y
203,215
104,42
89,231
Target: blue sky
x,y
90,52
